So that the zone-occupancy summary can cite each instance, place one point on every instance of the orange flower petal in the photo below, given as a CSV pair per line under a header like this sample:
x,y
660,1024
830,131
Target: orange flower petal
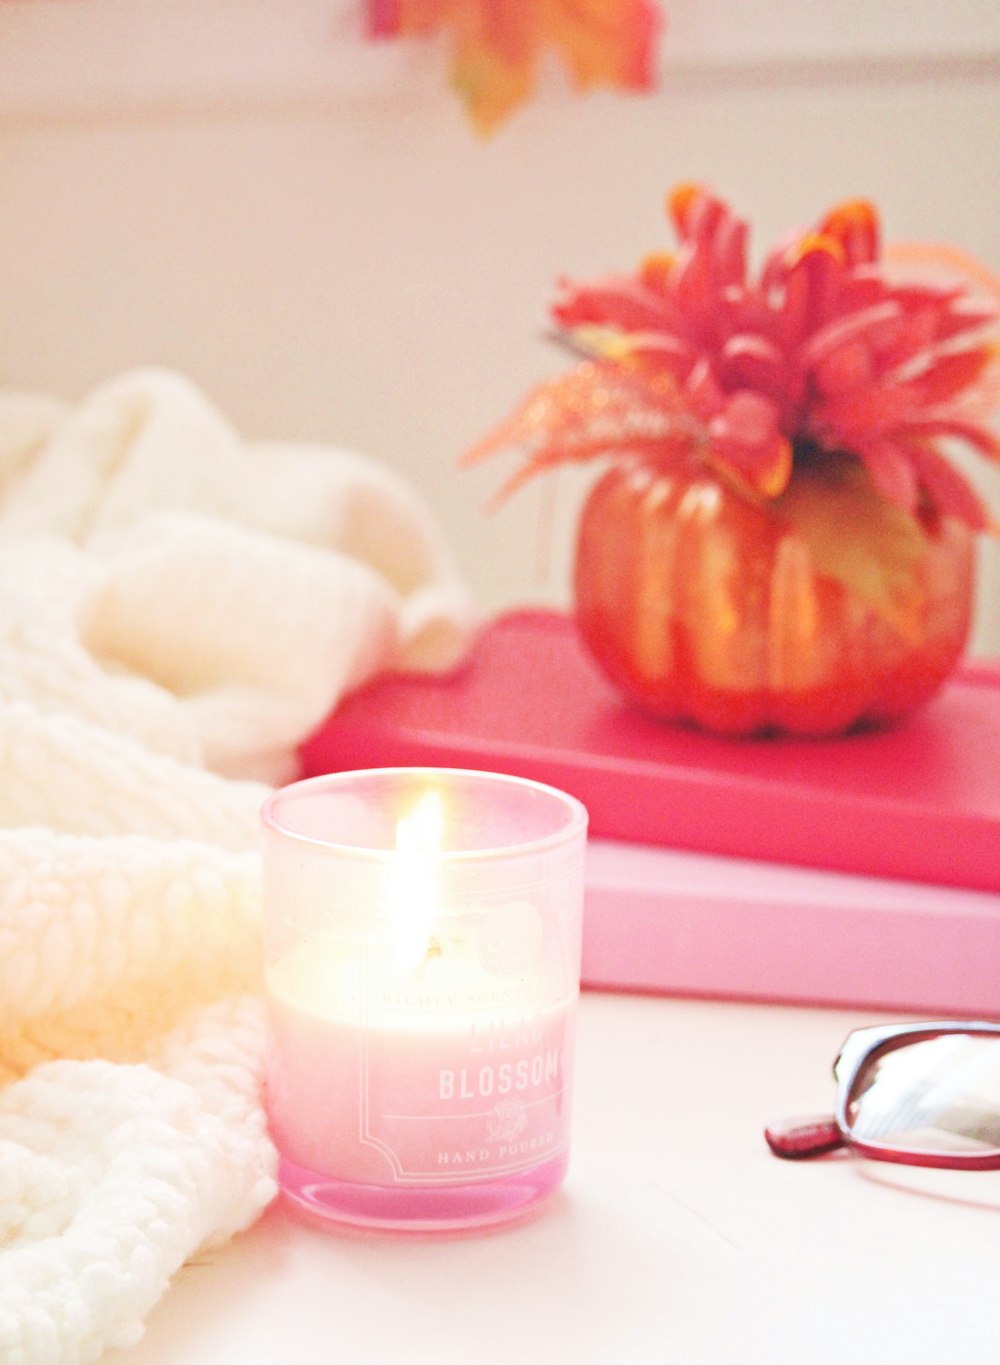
x,y
655,269
680,203
855,225
745,440
949,490
947,424
950,373
815,270
616,301
842,420
890,467
874,327
752,361
846,367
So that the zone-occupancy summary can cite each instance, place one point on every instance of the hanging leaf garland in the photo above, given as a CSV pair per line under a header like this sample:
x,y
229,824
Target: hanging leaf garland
x,y
497,45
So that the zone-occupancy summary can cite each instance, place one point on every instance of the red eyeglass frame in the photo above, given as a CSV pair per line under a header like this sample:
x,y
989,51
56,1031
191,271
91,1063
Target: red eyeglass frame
x,y
800,1139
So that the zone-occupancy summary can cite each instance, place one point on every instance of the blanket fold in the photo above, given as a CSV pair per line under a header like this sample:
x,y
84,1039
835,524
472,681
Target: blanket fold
x,y
179,608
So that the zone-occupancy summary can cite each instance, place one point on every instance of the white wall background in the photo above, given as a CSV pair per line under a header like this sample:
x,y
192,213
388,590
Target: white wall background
x,y
244,190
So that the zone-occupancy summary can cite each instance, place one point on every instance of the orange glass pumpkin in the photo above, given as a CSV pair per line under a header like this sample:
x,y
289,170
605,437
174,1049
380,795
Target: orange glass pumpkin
x,y
703,606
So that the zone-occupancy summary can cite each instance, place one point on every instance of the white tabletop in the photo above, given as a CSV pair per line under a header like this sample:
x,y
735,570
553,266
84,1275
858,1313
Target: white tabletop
x,y
677,1238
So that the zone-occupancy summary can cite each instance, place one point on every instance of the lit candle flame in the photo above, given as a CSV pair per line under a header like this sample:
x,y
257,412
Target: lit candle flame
x,y
413,891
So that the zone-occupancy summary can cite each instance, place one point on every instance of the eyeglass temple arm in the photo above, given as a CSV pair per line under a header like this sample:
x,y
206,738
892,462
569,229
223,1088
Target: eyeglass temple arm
x,y
798,1139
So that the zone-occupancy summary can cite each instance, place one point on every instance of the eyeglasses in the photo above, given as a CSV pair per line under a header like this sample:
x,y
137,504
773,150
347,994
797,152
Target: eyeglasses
x,y
924,1094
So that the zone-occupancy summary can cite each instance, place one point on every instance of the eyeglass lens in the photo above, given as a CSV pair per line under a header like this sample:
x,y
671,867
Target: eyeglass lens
x,y
934,1095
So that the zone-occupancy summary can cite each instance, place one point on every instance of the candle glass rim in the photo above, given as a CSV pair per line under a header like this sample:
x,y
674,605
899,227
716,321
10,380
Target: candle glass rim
x,y
573,829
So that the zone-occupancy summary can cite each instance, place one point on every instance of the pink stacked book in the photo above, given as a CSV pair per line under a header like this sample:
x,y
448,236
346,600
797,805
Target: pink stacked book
x,y
861,870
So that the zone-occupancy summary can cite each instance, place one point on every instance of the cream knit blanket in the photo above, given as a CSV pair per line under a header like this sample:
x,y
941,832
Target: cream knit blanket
x,y
178,609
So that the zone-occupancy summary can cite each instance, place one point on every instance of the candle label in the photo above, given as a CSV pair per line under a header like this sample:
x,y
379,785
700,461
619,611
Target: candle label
x,y
453,1068
488,1098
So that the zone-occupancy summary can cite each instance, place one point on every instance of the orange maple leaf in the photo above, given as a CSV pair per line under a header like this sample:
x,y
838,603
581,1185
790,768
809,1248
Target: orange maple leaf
x,y
497,44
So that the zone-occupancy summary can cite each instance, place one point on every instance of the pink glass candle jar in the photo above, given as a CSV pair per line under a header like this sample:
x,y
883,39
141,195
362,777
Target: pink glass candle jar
x,y
422,931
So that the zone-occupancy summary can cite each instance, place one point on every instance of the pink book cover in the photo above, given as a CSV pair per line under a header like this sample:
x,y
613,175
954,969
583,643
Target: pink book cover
x,y
920,802
684,923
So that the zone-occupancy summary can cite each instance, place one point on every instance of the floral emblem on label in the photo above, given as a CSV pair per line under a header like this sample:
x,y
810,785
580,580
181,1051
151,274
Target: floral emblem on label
x,y
507,1120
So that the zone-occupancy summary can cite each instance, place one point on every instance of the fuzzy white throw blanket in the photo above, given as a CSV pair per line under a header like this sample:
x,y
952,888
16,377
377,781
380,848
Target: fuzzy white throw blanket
x,y
178,609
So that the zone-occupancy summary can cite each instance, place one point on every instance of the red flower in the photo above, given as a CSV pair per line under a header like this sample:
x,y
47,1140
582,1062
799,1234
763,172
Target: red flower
x,y
825,350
